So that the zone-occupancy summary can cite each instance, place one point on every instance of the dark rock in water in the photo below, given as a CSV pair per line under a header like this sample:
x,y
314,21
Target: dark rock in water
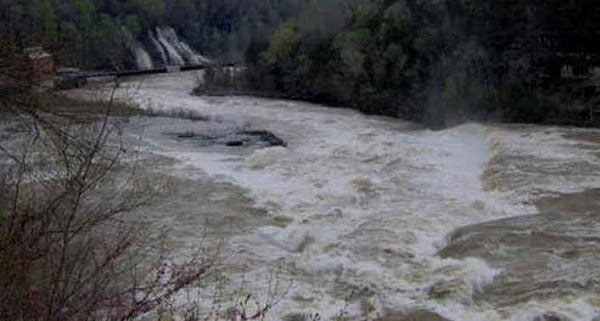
x,y
542,256
232,138
189,134
416,315
298,317
551,316
235,143
266,136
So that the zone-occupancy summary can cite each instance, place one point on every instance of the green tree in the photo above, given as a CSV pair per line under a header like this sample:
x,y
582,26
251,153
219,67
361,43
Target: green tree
x,y
45,20
71,44
152,9
354,46
85,14
106,42
132,23
282,44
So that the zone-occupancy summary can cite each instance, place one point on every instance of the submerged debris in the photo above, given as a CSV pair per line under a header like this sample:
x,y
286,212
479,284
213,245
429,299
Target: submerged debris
x,y
252,138
551,316
416,315
267,137
234,143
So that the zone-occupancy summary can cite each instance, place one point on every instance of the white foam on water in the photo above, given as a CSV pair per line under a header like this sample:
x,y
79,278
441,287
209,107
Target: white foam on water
x,y
538,161
376,197
581,309
159,47
172,53
182,48
142,58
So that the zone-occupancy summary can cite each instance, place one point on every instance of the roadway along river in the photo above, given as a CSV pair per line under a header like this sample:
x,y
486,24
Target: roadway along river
x,y
359,216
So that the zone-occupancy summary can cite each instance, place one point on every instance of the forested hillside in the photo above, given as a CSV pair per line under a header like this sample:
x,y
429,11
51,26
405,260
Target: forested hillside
x,y
94,33
437,61
443,62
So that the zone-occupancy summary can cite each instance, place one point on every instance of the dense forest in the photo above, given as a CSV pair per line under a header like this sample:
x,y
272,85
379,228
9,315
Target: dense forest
x,y
435,61
442,62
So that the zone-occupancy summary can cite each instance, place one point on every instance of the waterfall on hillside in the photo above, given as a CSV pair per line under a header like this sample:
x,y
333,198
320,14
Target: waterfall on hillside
x,y
142,58
183,48
164,44
169,34
174,56
198,58
159,48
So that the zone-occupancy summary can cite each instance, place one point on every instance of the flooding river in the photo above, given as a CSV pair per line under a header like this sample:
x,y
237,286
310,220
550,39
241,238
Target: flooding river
x,y
359,217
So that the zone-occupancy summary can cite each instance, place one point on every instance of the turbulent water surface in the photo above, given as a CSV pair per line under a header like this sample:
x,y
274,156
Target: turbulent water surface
x,y
362,217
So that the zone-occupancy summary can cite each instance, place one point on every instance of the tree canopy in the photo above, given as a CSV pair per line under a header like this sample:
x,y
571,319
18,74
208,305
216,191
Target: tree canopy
x,y
438,61
443,61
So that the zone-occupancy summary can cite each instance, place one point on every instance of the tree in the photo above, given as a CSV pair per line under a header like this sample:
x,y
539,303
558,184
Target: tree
x,y
45,20
282,43
132,24
70,248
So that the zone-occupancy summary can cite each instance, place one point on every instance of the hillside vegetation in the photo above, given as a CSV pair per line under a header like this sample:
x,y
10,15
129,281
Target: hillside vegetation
x,y
92,33
440,62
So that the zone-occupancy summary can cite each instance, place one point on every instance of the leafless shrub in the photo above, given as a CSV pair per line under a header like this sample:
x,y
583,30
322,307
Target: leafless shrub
x,y
69,248
229,300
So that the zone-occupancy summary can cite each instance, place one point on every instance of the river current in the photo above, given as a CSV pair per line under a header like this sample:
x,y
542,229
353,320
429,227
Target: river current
x,y
358,217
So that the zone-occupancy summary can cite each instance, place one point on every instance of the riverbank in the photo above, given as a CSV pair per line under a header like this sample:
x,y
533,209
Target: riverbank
x,y
578,116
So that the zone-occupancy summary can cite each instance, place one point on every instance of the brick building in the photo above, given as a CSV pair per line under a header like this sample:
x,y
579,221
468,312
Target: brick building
x,y
37,66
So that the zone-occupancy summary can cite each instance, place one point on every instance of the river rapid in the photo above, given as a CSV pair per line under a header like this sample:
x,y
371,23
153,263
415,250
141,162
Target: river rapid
x,y
359,217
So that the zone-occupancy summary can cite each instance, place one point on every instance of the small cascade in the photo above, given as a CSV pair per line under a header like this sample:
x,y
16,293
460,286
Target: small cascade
x,y
142,58
185,51
198,58
183,48
159,47
174,56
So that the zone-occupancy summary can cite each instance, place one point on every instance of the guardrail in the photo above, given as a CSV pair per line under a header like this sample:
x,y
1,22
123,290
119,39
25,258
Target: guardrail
x,y
162,70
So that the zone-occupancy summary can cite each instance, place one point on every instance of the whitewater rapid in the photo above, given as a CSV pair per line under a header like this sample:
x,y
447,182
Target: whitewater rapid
x,y
353,212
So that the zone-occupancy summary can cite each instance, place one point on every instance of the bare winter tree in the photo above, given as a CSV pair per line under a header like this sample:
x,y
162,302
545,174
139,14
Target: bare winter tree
x,y
69,248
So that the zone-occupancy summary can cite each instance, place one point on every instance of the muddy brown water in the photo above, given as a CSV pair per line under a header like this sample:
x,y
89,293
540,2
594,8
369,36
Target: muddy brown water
x,y
478,222
553,254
